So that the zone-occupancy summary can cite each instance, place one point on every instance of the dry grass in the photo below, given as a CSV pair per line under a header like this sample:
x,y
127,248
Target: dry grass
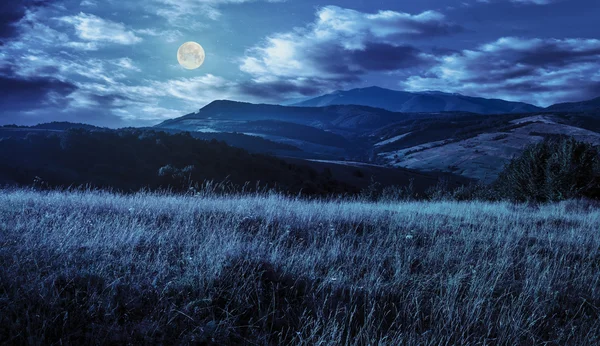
x,y
101,268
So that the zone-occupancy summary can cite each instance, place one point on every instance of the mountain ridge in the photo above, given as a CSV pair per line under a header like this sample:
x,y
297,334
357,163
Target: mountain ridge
x,y
418,102
581,106
328,116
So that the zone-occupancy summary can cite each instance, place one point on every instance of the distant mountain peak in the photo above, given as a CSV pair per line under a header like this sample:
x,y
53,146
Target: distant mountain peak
x,y
374,87
436,92
221,102
428,101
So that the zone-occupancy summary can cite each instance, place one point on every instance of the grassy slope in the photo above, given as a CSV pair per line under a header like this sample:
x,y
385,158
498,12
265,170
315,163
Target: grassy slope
x,y
480,148
95,267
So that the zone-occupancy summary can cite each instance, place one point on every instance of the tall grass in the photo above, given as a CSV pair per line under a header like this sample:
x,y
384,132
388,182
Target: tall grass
x,y
100,268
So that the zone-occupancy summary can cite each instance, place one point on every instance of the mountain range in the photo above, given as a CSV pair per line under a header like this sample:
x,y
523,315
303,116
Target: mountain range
x,y
341,147
427,131
419,102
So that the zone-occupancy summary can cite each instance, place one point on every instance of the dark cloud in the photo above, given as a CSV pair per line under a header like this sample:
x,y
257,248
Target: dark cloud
x,y
498,73
345,65
335,67
385,57
27,94
341,47
276,91
557,54
30,101
39,100
437,26
113,101
542,71
11,12
98,117
534,2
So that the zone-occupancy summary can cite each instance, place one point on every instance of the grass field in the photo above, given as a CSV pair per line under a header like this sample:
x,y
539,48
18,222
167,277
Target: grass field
x,y
100,268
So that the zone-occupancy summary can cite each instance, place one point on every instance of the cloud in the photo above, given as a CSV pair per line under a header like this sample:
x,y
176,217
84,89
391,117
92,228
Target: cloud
x,y
542,71
168,35
11,12
65,67
35,33
175,11
37,86
89,27
88,3
153,100
127,64
383,25
41,80
9,15
522,2
534,2
31,93
340,47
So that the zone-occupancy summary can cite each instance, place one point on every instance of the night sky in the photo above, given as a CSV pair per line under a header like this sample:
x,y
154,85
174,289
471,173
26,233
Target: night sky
x,y
113,62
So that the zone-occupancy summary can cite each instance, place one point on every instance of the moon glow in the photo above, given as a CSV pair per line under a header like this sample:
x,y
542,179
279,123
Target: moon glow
x,y
190,55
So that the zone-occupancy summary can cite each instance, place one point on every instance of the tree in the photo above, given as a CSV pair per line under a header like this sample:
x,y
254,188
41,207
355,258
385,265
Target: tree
x,y
555,169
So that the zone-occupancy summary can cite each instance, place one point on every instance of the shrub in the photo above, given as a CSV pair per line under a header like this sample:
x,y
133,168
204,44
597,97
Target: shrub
x,y
555,169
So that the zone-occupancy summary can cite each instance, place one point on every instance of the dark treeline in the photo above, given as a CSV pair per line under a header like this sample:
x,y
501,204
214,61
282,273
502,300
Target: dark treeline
x,y
128,160
131,160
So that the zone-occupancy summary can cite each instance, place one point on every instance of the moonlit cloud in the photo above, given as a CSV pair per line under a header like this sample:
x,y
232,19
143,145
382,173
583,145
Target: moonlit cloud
x,y
340,46
106,86
127,64
177,11
196,90
74,83
145,101
92,28
168,35
542,71
114,62
88,3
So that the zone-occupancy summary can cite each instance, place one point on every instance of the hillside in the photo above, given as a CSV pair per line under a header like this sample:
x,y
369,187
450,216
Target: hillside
x,y
131,160
332,132
475,146
134,159
418,102
252,144
224,112
482,151
583,106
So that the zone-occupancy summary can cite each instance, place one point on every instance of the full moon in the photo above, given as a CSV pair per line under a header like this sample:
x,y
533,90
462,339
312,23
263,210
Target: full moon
x,y
190,55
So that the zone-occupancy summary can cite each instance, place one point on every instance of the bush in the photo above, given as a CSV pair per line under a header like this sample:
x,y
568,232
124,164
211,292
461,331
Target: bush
x,y
556,169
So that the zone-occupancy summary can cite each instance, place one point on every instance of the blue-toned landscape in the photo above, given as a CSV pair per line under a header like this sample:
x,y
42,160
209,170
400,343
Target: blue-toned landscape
x,y
285,172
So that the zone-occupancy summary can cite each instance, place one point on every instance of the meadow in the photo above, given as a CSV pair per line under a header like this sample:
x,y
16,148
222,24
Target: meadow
x,y
95,267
